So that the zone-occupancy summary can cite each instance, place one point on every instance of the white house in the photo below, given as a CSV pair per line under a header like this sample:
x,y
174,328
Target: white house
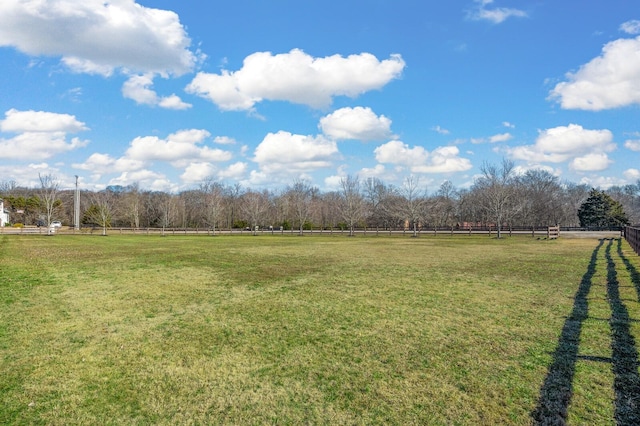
x,y
4,214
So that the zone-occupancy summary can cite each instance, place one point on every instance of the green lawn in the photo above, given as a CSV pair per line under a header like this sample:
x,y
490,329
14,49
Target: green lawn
x,y
317,330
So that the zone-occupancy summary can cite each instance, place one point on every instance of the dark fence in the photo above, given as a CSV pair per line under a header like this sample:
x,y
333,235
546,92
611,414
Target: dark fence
x,y
632,235
491,231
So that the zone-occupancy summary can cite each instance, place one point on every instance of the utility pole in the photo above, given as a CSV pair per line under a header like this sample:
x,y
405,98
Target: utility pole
x,y
76,207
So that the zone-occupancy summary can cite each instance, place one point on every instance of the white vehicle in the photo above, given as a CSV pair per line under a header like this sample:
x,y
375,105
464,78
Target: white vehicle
x,y
56,224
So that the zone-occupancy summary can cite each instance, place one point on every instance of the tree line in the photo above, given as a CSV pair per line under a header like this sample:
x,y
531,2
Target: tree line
x,y
499,197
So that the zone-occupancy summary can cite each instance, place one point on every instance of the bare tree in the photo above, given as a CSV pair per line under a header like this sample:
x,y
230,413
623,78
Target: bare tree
x,y
413,202
48,193
169,210
101,211
540,198
132,205
352,205
213,193
299,196
445,204
254,206
496,190
379,198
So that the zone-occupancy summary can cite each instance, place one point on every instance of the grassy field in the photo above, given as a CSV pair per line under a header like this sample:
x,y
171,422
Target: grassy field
x,y
317,330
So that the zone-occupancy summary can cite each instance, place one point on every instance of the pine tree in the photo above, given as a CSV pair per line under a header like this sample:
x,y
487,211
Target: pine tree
x,y
601,211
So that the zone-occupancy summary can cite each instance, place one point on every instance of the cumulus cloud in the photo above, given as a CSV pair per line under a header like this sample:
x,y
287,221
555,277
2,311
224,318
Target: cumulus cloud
x,y
100,164
234,171
197,172
593,162
631,27
611,80
418,160
632,174
633,145
356,123
295,77
178,147
495,15
284,152
40,121
95,36
585,149
503,137
149,179
40,134
138,88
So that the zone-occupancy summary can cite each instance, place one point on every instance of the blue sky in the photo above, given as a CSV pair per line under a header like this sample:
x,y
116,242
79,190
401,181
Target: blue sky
x,y
167,94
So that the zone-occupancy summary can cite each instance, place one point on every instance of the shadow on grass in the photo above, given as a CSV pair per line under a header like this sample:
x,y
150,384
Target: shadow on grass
x,y
633,272
555,394
624,357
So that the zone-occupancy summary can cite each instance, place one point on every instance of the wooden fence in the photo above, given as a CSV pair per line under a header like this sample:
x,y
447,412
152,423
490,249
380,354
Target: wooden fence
x,y
632,235
491,231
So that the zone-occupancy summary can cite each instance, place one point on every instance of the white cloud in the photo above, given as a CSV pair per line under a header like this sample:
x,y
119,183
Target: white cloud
x,y
496,15
295,77
173,102
177,147
197,172
633,145
524,168
611,80
138,88
501,137
378,171
284,152
508,125
41,134
593,162
356,123
234,171
586,148
100,164
224,140
631,27
440,130
418,160
96,36
632,174
599,181
40,121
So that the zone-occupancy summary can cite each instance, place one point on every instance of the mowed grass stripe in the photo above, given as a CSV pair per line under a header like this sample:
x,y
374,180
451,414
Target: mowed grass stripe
x,y
329,330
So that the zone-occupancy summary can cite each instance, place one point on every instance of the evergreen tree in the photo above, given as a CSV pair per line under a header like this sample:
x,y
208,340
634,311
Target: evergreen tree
x,y
601,211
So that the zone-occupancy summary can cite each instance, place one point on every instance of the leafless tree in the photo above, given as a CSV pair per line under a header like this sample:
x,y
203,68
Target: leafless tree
x,y
412,203
213,193
132,205
379,199
352,205
101,210
48,193
299,196
445,205
497,192
540,198
254,206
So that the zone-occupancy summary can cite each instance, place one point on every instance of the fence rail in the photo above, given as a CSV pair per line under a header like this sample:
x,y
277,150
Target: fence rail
x,y
632,235
539,232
